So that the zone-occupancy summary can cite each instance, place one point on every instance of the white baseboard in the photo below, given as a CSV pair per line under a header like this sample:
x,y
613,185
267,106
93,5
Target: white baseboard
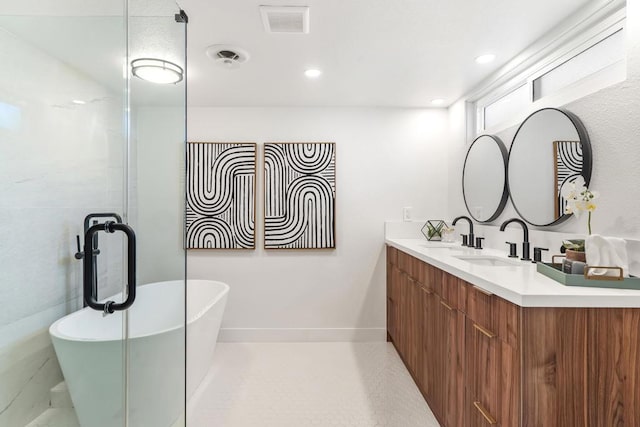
x,y
302,335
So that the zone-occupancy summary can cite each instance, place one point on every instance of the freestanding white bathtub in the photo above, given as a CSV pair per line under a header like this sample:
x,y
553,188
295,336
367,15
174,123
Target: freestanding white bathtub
x,y
92,353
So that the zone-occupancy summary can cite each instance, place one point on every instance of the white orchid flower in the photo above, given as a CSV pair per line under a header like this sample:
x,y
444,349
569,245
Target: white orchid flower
x,y
579,198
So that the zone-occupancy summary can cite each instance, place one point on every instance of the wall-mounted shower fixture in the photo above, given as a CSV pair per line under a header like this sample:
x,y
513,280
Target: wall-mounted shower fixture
x,y
157,70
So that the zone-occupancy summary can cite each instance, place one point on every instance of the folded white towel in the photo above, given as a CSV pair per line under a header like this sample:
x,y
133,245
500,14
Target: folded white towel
x,y
606,252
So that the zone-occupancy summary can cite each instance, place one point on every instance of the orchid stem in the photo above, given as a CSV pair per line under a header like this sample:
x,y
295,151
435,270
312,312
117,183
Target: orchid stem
x,y
589,223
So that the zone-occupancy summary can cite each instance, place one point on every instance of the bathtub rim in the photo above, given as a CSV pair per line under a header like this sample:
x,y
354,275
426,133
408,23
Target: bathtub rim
x,y
55,333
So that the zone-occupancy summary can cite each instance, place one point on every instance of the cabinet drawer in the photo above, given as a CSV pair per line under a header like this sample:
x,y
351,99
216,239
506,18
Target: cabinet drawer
x,y
493,313
431,278
451,290
506,320
392,255
479,306
412,266
403,261
418,270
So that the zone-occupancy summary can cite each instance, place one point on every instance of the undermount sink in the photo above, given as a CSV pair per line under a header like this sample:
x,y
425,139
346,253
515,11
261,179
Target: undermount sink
x,y
493,261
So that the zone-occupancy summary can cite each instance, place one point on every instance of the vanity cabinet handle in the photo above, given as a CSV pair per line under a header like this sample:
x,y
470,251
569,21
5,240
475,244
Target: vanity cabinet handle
x,y
483,331
485,413
427,291
447,306
482,291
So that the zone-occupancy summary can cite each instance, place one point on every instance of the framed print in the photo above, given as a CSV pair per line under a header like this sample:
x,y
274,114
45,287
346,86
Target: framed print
x,y
221,180
300,195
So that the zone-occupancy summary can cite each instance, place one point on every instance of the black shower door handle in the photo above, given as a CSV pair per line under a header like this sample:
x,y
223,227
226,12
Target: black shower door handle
x,y
89,296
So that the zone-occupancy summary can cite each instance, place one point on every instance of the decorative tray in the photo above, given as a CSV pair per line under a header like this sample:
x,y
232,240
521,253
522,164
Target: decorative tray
x,y
617,282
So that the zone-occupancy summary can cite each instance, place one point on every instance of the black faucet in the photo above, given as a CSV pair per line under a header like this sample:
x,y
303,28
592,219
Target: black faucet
x,y
469,239
525,243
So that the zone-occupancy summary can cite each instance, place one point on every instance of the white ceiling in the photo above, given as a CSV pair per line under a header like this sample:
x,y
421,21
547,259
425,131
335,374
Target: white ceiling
x,y
372,52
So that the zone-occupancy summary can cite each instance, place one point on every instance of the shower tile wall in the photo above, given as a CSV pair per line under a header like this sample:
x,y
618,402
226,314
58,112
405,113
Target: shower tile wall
x,y
58,161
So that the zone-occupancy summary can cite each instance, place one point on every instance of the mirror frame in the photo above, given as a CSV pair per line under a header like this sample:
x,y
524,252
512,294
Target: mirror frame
x,y
587,163
505,190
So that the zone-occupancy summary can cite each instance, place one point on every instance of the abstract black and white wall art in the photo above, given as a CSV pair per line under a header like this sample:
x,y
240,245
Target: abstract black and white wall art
x,y
568,165
300,195
221,181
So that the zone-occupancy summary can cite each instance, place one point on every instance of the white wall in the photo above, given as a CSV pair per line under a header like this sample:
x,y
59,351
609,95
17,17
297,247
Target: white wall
x,y
58,162
386,159
611,118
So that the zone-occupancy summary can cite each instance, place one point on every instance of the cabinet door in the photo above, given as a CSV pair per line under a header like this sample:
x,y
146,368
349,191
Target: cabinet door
x,y
453,365
391,319
413,330
477,415
403,316
614,352
431,375
482,374
555,369
394,294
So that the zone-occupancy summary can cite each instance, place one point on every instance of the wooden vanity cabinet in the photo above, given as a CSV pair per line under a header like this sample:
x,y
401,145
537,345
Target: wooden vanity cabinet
x,y
480,360
458,342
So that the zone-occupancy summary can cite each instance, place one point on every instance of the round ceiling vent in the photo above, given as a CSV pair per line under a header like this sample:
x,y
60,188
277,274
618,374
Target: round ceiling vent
x,y
227,56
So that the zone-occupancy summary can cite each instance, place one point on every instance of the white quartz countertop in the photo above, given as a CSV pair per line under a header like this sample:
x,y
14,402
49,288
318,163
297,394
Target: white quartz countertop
x,y
520,283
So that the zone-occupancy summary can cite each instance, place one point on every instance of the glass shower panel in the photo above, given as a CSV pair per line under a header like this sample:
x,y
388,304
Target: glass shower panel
x,y
80,135
63,147
156,356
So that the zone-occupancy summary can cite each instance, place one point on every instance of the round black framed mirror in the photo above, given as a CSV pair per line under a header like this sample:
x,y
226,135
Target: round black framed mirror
x,y
484,181
550,149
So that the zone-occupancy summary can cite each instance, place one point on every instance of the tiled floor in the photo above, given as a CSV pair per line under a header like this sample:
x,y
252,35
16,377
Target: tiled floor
x,y
308,384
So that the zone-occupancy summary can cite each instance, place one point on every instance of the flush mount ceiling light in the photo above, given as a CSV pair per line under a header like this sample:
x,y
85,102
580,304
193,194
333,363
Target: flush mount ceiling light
x,y
486,58
157,70
437,101
313,73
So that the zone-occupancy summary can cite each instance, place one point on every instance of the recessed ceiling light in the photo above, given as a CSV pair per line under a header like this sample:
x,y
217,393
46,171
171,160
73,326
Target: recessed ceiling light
x,y
313,73
437,101
79,102
156,70
485,59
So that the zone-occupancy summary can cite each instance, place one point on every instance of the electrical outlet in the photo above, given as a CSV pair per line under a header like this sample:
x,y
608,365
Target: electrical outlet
x,y
406,213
